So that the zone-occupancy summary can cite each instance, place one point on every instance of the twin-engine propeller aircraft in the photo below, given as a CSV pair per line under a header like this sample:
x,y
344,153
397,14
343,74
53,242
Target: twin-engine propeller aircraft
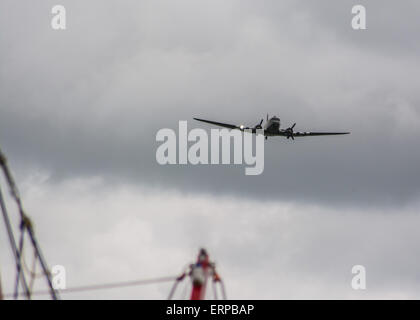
x,y
272,128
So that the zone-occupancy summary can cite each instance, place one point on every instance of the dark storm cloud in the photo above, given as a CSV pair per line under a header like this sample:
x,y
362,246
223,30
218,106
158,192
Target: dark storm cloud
x,y
88,101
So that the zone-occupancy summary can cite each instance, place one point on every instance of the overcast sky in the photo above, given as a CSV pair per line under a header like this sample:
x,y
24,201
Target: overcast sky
x,y
80,109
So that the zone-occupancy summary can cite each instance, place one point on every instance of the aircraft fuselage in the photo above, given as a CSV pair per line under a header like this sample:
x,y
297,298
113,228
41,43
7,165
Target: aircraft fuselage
x,y
272,127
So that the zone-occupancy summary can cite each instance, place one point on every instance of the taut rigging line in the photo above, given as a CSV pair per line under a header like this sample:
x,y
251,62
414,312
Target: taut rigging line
x,y
25,226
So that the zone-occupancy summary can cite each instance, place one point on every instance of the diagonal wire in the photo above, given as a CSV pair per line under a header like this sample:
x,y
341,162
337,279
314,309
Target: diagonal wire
x,y
25,224
19,272
12,240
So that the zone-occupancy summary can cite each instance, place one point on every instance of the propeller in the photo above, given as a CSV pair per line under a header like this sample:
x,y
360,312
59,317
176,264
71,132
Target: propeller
x,y
257,126
289,132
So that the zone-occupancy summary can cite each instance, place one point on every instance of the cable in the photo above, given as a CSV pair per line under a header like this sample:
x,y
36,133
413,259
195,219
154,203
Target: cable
x,y
19,272
26,225
31,271
12,240
185,292
217,279
1,289
222,284
105,286
214,290
177,281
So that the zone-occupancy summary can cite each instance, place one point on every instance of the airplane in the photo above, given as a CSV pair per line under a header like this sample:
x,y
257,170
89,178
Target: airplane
x,y
272,128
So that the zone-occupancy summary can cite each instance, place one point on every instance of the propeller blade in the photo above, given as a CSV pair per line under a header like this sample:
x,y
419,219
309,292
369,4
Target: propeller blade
x,y
290,132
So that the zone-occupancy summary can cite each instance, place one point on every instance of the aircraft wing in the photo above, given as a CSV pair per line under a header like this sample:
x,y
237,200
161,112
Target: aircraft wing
x,y
304,134
225,125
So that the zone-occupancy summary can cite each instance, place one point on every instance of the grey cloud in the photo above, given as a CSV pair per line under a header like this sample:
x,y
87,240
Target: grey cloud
x,y
90,101
262,249
87,103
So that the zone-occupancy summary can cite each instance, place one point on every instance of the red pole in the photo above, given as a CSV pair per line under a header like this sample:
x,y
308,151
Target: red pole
x,y
199,274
